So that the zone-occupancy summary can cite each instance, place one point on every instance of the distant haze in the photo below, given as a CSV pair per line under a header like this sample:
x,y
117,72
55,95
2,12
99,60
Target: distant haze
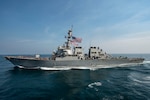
x,y
39,26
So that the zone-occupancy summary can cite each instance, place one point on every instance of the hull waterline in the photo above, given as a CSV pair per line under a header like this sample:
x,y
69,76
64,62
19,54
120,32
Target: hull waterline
x,y
31,63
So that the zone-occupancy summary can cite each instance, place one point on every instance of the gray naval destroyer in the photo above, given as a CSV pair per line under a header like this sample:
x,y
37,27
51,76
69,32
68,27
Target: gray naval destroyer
x,y
71,55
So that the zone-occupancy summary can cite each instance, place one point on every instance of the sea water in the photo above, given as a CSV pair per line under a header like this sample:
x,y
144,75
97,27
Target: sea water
x,y
120,82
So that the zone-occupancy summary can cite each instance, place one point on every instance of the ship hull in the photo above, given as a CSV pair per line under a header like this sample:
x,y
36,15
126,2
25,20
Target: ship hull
x,y
31,63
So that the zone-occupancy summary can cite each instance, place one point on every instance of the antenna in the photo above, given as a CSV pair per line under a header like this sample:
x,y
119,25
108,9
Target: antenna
x,y
90,43
71,27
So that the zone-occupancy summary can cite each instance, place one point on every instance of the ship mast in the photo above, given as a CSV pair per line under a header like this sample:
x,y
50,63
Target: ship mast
x,y
68,39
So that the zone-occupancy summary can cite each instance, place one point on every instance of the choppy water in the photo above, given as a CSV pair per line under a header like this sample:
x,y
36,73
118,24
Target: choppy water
x,y
125,82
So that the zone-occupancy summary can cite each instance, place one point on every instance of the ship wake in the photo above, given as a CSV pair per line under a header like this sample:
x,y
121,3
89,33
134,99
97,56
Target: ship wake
x,y
146,62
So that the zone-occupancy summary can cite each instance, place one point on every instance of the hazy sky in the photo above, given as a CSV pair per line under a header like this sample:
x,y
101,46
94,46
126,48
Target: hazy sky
x,y
39,26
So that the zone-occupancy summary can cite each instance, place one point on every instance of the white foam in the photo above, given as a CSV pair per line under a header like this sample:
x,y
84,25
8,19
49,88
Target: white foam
x,y
81,67
21,67
73,67
94,84
139,78
145,62
147,78
54,68
140,81
65,68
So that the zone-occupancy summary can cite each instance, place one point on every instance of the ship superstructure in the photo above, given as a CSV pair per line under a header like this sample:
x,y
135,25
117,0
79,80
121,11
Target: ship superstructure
x,y
77,51
70,54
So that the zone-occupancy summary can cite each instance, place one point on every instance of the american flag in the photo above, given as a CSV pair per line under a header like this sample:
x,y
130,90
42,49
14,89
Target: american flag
x,y
74,43
75,39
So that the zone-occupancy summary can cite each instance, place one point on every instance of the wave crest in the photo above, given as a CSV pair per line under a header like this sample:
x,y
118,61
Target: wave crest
x,y
139,78
94,84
